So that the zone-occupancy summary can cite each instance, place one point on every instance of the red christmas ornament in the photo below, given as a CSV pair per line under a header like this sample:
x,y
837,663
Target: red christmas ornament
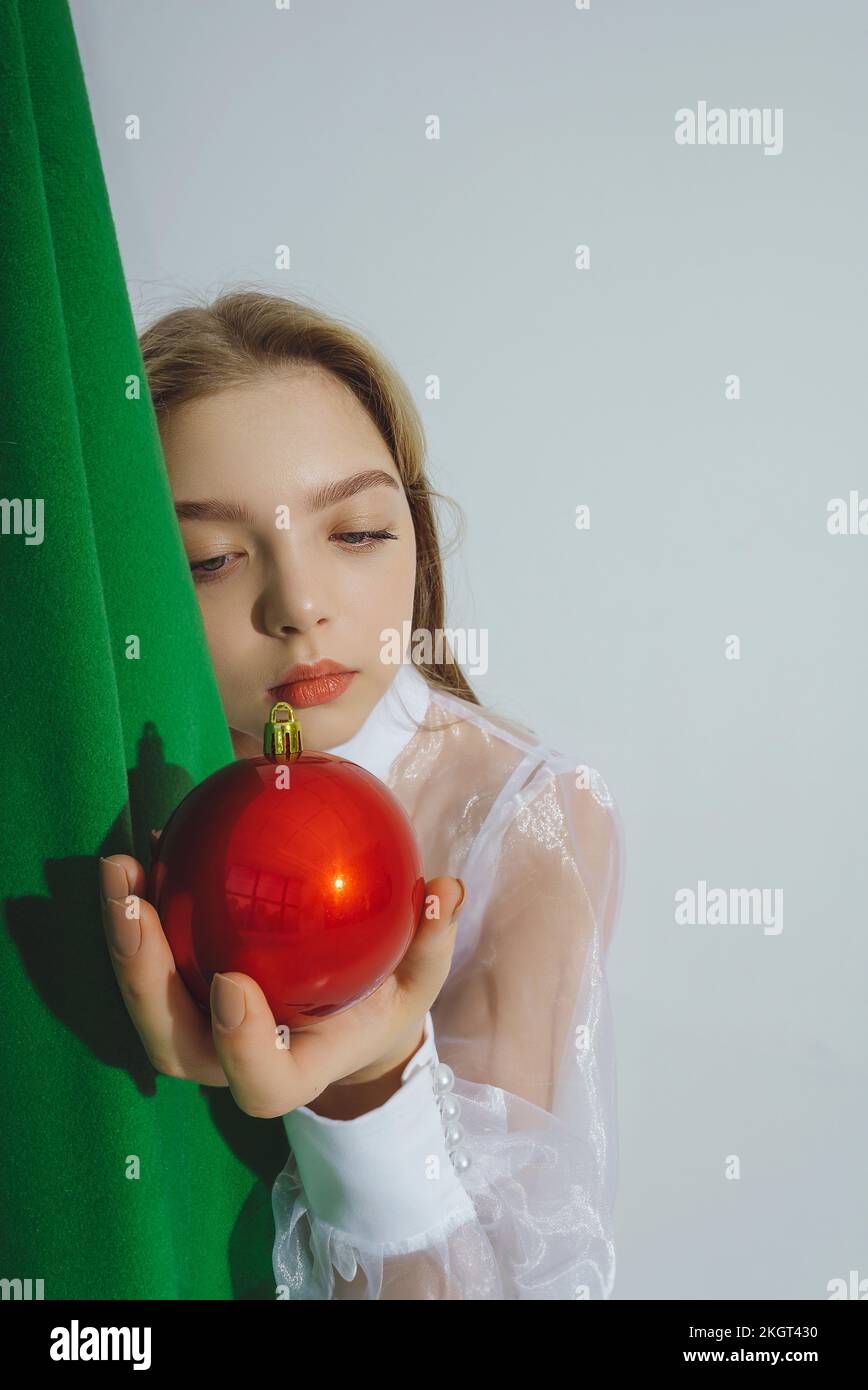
x,y
300,869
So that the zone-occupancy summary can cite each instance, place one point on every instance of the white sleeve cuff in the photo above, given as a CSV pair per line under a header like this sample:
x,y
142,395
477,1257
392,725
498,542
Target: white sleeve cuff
x,y
386,1176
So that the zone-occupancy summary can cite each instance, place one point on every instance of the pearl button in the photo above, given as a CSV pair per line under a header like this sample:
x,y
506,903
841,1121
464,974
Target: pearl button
x,y
453,1135
460,1160
450,1107
444,1079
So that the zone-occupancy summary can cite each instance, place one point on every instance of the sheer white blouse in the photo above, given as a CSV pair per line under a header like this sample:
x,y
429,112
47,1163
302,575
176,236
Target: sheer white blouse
x,y
491,1172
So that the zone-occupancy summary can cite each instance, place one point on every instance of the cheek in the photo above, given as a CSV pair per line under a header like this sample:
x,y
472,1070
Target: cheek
x,y
404,575
382,569
388,597
222,636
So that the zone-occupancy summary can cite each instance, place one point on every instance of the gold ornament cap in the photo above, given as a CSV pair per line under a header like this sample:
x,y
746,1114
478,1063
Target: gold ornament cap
x,y
282,736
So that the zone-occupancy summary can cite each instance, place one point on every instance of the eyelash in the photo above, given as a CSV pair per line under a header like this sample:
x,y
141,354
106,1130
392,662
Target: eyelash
x,y
376,538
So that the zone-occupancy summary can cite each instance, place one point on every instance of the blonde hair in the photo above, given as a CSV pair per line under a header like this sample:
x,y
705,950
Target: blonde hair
x,y
197,350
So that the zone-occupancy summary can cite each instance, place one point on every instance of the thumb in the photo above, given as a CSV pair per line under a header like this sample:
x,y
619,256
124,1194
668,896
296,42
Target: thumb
x,y
426,962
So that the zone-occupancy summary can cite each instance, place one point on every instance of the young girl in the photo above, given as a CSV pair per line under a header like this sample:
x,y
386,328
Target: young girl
x,y
453,1135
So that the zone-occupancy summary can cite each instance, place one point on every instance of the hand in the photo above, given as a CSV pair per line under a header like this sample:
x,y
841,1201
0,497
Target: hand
x,y
240,1046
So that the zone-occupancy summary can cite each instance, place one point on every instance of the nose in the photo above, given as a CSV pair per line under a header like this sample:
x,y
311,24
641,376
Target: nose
x,y
296,595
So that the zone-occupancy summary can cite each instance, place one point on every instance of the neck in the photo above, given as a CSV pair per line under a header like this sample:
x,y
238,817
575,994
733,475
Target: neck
x,y
390,725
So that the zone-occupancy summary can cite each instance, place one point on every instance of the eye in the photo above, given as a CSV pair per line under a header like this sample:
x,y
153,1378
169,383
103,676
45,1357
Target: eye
x,y
206,571
364,540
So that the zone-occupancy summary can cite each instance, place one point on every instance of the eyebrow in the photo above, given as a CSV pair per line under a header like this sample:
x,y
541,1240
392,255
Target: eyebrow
x,y
213,509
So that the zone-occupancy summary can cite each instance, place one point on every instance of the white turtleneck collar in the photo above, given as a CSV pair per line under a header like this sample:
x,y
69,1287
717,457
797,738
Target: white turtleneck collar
x,y
390,725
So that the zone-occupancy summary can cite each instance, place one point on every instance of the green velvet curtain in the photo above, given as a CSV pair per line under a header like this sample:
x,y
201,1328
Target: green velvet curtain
x,y
116,1182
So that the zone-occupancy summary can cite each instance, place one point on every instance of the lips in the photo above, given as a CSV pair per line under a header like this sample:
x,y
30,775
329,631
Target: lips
x,y
304,671
312,684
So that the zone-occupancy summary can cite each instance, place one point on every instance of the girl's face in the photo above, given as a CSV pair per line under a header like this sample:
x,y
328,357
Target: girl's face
x,y
290,578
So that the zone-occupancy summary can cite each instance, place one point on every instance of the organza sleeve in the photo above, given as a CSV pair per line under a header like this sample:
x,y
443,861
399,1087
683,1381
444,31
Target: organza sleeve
x,y
490,1173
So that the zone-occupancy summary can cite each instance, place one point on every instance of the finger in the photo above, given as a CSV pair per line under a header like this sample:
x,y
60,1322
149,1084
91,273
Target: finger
x,y
425,966
175,1032
121,874
258,1057
117,876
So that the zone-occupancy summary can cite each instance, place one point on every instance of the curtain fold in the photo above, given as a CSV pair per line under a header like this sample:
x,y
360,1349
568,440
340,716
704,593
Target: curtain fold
x,y
117,1183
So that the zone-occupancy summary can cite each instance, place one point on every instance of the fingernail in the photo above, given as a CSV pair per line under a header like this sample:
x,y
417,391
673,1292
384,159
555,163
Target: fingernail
x,y
113,879
457,906
123,927
228,1002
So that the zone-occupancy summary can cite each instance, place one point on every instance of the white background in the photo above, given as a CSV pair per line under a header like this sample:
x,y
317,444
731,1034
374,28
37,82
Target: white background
x,y
307,127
